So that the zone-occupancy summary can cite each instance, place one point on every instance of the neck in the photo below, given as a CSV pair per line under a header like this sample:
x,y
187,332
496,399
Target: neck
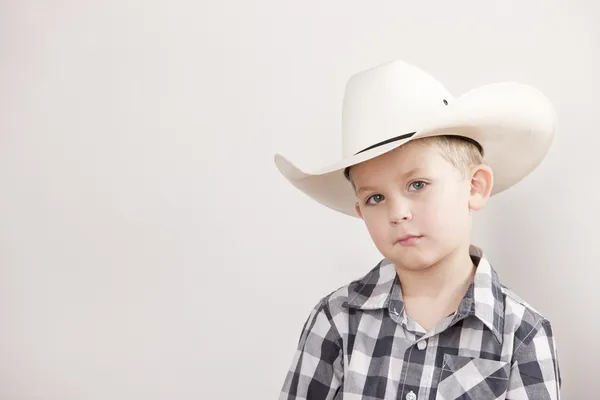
x,y
448,277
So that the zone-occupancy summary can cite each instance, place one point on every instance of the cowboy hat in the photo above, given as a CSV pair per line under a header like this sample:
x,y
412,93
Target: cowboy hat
x,y
394,103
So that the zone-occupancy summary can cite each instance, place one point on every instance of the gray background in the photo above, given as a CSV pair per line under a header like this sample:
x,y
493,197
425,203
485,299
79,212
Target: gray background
x,y
149,249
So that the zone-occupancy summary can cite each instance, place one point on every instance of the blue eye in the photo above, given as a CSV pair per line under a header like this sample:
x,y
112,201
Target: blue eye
x,y
376,198
418,185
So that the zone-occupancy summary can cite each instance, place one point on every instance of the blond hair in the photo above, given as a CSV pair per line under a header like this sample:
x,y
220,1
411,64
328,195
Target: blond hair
x,y
460,151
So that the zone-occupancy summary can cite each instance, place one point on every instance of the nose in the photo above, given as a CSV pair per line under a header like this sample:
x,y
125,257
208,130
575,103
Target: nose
x,y
399,211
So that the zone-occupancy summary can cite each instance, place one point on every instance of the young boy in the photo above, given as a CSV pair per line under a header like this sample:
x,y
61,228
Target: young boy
x,y
431,320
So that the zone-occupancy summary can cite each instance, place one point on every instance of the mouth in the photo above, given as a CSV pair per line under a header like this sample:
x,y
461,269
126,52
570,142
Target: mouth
x,y
409,240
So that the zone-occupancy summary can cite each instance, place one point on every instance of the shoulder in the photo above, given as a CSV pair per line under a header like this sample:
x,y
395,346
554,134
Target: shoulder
x,y
368,291
517,307
522,320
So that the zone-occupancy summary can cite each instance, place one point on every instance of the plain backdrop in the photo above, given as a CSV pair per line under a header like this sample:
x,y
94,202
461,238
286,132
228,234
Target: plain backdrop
x,y
149,249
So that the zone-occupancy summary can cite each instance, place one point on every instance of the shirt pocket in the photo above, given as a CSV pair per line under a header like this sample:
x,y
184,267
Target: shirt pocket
x,y
472,378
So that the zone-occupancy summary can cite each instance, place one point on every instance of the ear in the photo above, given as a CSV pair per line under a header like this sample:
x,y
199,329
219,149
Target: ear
x,y
482,181
358,211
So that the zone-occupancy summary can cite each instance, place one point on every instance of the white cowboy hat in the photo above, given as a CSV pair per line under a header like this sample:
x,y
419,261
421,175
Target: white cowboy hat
x,y
394,103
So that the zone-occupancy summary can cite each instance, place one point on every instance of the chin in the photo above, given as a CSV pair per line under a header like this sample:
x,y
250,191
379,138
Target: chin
x,y
413,261
413,265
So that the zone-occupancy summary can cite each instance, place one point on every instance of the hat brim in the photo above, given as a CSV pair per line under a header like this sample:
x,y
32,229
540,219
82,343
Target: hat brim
x,y
514,123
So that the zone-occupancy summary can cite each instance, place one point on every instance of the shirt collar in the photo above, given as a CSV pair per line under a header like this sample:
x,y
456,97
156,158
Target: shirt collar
x,y
484,298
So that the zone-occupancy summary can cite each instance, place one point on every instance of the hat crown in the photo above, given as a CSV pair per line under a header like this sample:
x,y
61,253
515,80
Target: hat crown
x,y
388,101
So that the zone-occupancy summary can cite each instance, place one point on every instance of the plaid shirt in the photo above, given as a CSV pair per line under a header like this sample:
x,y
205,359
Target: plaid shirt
x,y
358,343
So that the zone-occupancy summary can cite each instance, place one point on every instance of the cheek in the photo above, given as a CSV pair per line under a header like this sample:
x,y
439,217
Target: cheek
x,y
444,213
377,226
456,217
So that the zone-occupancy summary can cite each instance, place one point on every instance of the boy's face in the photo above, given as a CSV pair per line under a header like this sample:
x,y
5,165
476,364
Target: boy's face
x,y
413,192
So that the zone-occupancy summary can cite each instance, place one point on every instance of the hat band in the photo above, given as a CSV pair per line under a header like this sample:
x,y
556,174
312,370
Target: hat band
x,y
394,139
406,136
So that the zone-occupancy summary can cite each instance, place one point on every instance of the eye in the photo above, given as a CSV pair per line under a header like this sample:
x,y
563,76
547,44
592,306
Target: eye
x,y
376,198
417,185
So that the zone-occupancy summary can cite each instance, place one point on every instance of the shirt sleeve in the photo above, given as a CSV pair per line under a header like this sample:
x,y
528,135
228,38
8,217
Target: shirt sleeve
x,y
535,373
316,372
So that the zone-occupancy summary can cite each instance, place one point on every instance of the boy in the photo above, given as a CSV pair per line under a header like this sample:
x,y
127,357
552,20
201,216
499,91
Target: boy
x,y
432,320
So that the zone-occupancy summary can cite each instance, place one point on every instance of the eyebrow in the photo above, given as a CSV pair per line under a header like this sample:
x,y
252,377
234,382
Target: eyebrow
x,y
404,175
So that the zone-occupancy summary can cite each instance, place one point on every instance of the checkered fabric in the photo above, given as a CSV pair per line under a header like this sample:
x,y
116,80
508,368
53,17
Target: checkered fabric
x,y
358,343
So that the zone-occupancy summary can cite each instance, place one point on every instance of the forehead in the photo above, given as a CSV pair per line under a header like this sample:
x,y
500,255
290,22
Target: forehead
x,y
413,155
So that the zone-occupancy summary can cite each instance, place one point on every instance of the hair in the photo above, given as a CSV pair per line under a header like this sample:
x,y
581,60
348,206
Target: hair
x,y
460,151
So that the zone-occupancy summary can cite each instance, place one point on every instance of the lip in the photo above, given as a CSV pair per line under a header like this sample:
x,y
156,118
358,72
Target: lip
x,y
409,240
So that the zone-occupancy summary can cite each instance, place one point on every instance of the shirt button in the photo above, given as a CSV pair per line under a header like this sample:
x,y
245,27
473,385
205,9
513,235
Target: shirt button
x,y
411,396
422,344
